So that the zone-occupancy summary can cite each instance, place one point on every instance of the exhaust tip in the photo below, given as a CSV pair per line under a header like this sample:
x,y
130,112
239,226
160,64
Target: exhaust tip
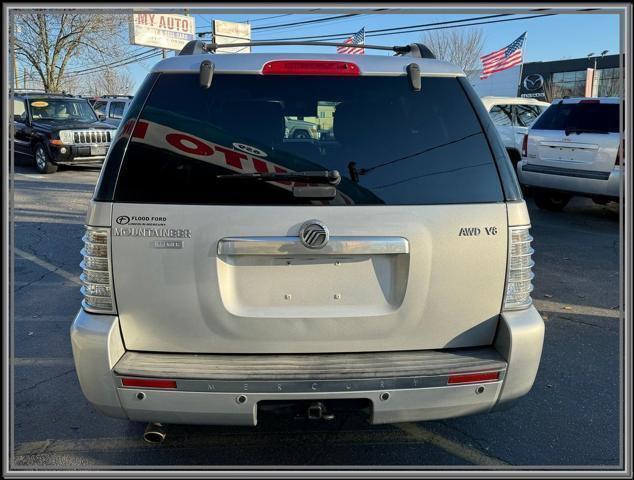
x,y
154,433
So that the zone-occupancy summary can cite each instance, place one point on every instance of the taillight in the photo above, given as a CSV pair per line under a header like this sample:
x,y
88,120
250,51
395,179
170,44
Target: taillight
x,y
525,145
310,67
519,276
96,273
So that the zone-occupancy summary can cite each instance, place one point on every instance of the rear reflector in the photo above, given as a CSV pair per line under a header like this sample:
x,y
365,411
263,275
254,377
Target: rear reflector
x,y
310,67
140,382
473,377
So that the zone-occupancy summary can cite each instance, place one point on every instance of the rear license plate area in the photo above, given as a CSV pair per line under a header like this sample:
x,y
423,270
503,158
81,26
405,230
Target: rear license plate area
x,y
324,409
309,287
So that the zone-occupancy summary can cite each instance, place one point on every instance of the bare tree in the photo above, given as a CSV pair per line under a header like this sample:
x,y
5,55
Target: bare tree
x,y
56,43
609,86
460,47
552,90
107,82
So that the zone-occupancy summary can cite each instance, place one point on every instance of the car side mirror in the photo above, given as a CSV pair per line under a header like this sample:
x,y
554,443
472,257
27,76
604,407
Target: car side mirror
x,y
101,117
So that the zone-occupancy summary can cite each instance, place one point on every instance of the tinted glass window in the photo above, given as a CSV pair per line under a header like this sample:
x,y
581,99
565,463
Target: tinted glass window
x,y
61,109
19,111
391,145
100,107
600,117
527,114
502,115
116,109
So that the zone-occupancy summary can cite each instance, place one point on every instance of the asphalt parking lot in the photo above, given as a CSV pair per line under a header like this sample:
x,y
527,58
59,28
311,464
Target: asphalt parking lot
x,y
570,418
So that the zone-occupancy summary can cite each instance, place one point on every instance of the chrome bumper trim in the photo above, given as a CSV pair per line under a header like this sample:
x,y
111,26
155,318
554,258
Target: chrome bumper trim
x,y
315,386
293,246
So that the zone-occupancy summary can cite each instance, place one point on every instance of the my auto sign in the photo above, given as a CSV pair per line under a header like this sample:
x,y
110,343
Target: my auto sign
x,y
162,30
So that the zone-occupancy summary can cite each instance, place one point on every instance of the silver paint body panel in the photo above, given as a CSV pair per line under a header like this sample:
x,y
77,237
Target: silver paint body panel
x,y
443,291
383,65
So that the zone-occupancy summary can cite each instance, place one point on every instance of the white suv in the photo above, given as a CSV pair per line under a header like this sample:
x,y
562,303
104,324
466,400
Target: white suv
x,y
228,268
574,148
111,108
513,116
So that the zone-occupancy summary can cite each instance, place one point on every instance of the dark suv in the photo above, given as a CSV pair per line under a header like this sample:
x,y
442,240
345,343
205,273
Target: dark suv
x,y
53,129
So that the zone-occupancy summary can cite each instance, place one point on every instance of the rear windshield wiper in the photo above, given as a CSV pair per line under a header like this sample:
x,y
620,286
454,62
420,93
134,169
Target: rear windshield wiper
x,y
568,131
331,177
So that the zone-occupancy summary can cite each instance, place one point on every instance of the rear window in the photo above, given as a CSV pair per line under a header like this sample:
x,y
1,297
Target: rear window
x,y
391,146
592,117
116,109
527,114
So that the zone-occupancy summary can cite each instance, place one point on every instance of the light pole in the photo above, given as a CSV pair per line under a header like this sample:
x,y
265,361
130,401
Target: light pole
x,y
594,70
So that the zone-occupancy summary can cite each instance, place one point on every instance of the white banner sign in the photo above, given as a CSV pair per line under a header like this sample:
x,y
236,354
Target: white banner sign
x,y
232,32
162,30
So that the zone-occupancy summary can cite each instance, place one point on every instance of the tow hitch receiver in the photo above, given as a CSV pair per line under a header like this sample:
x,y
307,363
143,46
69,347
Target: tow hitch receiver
x,y
317,410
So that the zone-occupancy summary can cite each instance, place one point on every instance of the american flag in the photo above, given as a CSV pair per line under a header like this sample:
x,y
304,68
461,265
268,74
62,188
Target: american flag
x,y
356,39
503,58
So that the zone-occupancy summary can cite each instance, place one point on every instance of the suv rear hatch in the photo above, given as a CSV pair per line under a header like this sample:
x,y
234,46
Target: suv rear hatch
x,y
578,135
203,263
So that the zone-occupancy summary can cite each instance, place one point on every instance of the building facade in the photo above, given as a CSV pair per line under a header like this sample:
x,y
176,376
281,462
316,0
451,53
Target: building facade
x,y
557,79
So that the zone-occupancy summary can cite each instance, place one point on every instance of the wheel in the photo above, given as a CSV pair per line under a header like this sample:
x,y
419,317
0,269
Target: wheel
x,y
553,201
42,160
301,134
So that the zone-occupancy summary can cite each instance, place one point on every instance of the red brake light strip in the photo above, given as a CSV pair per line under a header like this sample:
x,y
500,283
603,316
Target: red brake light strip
x,y
311,67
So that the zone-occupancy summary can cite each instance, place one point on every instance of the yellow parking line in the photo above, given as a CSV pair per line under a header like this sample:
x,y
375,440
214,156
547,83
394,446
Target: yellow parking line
x,y
48,266
460,450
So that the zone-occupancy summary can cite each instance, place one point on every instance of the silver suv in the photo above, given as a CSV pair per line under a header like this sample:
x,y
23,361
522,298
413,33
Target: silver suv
x,y
574,148
111,108
228,269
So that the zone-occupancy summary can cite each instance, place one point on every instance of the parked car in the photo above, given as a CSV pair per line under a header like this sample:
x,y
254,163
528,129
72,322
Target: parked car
x,y
228,269
111,108
300,129
512,117
574,148
58,129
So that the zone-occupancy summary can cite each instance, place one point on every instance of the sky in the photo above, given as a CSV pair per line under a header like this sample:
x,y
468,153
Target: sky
x,y
548,38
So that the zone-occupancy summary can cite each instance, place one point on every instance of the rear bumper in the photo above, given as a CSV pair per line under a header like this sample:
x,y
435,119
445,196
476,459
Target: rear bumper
x,y
208,390
574,181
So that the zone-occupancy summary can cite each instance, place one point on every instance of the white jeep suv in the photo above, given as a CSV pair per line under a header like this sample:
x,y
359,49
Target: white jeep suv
x,y
513,116
228,268
574,148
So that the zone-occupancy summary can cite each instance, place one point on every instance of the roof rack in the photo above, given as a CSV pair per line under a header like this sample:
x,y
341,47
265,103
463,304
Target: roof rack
x,y
112,96
196,47
28,91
